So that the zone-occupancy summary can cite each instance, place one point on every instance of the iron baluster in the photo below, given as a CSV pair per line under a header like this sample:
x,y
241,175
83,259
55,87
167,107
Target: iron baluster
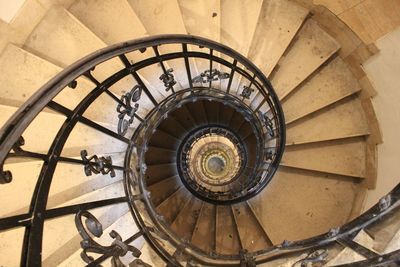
x,y
233,69
167,77
187,66
132,70
67,112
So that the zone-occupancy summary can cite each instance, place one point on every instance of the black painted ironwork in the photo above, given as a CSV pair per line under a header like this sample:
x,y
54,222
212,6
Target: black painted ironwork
x,y
96,165
126,109
246,93
209,76
314,257
151,227
92,227
168,79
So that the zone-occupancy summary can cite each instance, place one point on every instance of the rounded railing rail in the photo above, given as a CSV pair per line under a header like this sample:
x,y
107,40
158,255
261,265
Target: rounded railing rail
x,y
220,74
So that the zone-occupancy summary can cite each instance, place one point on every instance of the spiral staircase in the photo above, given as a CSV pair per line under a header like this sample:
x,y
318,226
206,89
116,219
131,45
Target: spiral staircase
x,y
254,146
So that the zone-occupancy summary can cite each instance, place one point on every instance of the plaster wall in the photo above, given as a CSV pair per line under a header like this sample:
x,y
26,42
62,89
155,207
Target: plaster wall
x,y
8,9
383,69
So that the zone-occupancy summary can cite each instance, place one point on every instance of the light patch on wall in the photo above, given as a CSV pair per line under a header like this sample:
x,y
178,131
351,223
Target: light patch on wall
x,y
383,70
9,8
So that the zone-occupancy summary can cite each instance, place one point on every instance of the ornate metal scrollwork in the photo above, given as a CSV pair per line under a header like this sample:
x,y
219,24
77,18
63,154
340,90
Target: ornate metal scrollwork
x,y
318,256
246,92
269,125
6,176
127,109
168,79
269,155
117,248
209,76
246,259
96,165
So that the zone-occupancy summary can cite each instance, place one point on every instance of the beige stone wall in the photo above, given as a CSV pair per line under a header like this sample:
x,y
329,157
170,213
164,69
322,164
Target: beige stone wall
x,y
370,19
383,70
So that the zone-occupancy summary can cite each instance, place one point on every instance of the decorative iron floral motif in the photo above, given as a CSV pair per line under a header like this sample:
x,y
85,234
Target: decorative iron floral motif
x,y
117,249
96,165
246,92
315,257
269,155
168,79
269,125
246,259
127,109
209,76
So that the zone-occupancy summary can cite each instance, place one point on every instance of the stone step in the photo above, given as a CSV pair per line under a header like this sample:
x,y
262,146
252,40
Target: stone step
x,y
312,47
333,83
278,23
302,203
344,157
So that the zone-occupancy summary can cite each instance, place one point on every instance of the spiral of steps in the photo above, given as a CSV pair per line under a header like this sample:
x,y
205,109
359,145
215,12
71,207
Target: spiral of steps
x,y
329,156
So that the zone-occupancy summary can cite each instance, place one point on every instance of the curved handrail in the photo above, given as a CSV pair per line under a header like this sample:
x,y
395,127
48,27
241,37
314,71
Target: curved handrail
x,y
11,132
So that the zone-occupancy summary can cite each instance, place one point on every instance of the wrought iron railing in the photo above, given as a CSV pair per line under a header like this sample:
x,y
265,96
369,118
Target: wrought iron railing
x,y
229,77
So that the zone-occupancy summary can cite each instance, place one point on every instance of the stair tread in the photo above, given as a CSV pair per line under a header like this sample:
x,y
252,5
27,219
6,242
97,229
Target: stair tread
x,y
305,204
308,52
156,173
69,182
157,155
340,120
171,206
59,29
16,62
200,18
347,255
57,244
185,222
204,232
125,226
57,37
227,238
278,23
251,234
163,189
112,21
332,83
151,12
39,138
344,157
238,33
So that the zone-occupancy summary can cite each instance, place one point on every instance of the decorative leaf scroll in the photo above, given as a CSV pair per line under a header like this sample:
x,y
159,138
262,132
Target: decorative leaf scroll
x,y
97,165
269,155
6,176
209,76
246,259
127,109
168,79
117,249
269,125
313,258
246,92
